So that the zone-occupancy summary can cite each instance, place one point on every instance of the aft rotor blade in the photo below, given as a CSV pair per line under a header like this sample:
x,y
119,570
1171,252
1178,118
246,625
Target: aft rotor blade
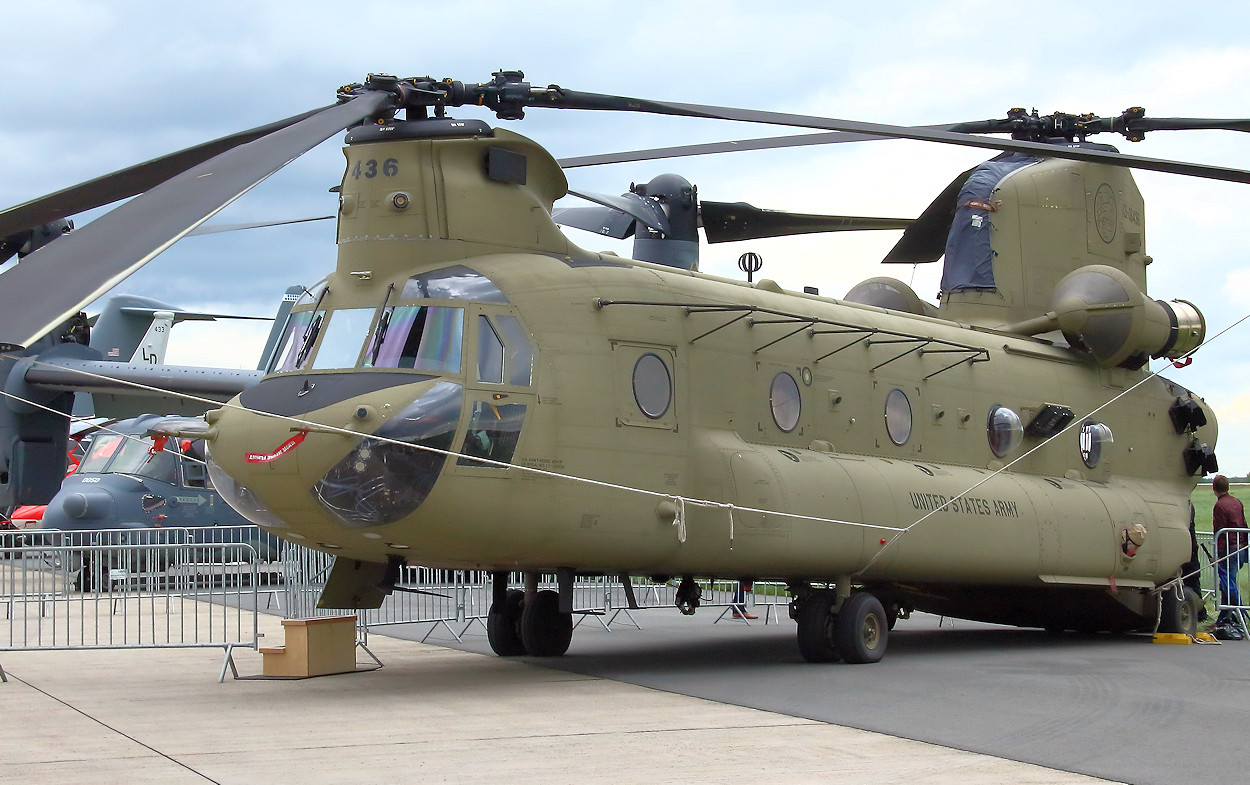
x,y
725,222
570,99
925,239
647,211
713,148
129,181
86,263
607,221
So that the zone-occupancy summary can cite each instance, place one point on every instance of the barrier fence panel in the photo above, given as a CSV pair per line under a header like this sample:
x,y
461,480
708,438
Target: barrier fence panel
x,y
127,589
1231,597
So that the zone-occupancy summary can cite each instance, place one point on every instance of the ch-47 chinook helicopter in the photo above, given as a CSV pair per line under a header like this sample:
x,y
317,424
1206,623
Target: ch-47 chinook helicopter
x,y
469,389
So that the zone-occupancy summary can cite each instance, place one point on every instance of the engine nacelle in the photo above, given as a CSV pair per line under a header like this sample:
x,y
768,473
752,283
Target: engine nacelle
x,y
1099,309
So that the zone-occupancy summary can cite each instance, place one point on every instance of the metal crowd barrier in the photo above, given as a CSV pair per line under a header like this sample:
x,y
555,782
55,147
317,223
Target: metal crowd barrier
x,y
127,589
1222,594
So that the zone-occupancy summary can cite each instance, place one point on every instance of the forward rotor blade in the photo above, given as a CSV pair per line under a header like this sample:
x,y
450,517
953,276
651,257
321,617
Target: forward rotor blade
x,y
129,181
92,260
712,148
646,211
1188,124
725,222
925,239
1071,152
216,228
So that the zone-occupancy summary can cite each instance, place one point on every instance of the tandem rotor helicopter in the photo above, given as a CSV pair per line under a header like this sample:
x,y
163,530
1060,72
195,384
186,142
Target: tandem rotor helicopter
x,y
469,389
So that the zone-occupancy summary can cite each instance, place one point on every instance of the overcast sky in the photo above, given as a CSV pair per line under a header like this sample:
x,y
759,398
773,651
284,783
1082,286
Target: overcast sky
x,y
91,87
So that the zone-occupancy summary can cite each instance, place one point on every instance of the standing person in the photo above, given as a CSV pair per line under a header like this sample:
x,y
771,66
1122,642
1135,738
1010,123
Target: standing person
x,y
1192,568
1230,548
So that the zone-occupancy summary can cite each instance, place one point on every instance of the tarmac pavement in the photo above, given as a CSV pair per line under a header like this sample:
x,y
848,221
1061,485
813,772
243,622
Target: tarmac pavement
x,y
436,714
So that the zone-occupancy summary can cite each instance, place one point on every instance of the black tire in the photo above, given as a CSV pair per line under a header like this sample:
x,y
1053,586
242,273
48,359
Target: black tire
x,y
545,631
1179,614
503,625
861,629
816,622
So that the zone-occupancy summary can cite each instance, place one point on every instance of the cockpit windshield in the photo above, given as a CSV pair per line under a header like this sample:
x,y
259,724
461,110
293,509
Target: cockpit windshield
x,y
117,454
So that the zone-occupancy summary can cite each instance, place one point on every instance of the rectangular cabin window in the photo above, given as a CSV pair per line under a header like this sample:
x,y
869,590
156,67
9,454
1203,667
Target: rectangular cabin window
x,y
425,338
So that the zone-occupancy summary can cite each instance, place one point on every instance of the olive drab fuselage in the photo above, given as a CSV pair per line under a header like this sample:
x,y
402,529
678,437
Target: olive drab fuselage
x,y
795,416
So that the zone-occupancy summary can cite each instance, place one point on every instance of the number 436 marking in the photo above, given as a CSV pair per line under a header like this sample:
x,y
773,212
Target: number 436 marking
x,y
369,169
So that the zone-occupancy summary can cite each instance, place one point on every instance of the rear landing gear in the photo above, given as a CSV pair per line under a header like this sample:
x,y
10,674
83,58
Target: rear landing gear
x,y
855,633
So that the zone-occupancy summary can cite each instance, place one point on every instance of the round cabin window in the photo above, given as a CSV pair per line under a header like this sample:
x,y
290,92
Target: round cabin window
x,y
1094,435
783,397
653,386
1004,430
898,416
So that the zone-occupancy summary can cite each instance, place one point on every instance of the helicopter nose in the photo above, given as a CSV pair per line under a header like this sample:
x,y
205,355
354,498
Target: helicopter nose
x,y
88,505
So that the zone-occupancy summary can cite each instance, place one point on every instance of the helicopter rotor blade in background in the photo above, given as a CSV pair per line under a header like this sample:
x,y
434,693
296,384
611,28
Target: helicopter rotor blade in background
x,y
725,222
129,181
568,99
713,148
216,228
93,259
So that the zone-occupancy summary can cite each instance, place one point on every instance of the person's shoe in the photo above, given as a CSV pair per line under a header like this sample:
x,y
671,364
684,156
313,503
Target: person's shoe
x,y
738,615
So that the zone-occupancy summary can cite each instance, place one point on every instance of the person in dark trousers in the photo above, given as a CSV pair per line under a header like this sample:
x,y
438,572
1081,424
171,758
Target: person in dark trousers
x,y
1230,552
1191,569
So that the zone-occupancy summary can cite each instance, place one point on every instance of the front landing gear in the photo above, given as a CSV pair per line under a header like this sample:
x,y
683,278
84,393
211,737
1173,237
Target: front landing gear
x,y
856,632
521,622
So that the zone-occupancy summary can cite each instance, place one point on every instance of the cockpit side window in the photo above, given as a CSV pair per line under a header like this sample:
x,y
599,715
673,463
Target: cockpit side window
x,y
505,355
489,353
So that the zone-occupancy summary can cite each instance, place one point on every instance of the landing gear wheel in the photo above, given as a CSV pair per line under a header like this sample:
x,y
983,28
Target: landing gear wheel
x,y
861,630
545,631
1179,614
503,625
816,622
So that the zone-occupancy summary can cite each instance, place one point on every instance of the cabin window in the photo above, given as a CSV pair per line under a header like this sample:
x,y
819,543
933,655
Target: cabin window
x,y
1093,436
785,401
452,283
493,433
653,386
344,333
424,337
898,417
1004,430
